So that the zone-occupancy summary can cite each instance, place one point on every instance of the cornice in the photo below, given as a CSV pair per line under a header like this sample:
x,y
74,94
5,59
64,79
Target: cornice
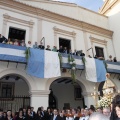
x,y
8,17
58,30
56,17
107,7
99,41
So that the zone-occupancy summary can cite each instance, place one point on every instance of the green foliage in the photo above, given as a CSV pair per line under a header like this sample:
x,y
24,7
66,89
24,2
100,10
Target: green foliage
x,y
60,58
27,53
71,61
83,60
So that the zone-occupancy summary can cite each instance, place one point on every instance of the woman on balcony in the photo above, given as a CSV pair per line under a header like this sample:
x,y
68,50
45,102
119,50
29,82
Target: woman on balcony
x,y
10,42
16,43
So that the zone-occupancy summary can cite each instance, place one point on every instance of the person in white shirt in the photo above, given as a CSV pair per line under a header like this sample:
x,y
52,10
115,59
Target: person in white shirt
x,y
86,115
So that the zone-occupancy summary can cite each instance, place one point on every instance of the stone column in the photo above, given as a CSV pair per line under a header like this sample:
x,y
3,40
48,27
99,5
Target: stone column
x,y
89,100
39,98
6,17
86,42
39,30
31,23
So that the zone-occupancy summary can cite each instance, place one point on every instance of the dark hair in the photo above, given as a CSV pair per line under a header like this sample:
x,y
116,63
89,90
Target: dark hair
x,y
115,102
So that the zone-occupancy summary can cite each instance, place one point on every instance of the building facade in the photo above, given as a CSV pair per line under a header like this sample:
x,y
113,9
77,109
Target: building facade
x,y
58,23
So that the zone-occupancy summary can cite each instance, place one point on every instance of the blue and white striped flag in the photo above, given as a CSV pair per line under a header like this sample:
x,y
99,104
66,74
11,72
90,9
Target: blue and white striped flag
x,y
43,64
95,70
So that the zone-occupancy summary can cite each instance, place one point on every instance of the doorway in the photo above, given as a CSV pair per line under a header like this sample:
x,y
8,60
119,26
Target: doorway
x,y
16,33
99,51
64,94
65,43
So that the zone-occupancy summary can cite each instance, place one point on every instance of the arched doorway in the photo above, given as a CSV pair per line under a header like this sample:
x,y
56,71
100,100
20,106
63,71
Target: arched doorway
x,y
14,92
65,94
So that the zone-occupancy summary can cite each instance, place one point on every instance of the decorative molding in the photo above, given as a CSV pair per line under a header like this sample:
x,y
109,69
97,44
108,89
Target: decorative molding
x,y
37,93
7,18
61,31
99,41
107,6
56,17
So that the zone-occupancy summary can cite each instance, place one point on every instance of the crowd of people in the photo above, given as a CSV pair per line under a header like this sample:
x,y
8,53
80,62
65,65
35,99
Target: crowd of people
x,y
41,46
92,113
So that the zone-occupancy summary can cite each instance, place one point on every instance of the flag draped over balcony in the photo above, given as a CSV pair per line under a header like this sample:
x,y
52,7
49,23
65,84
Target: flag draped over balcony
x,y
43,64
95,70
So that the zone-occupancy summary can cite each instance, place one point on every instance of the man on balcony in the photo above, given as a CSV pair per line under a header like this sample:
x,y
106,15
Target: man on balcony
x,y
41,46
1,39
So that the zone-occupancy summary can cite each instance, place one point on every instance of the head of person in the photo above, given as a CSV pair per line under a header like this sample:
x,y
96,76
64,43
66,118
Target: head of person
x,y
106,111
42,108
99,109
55,112
98,116
38,112
29,110
0,35
48,46
32,108
117,109
24,110
61,47
29,42
92,109
74,111
110,56
68,111
4,114
9,113
35,43
20,113
86,112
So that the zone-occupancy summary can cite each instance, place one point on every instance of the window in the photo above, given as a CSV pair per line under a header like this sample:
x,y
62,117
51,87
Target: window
x,y
7,89
77,92
65,43
99,52
16,33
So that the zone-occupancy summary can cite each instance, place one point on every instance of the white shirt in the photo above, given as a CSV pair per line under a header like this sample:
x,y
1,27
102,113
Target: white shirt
x,y
84,118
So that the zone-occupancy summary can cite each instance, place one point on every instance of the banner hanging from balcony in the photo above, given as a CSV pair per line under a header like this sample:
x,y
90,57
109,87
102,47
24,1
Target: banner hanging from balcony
x,y
12,53
43,64
95,70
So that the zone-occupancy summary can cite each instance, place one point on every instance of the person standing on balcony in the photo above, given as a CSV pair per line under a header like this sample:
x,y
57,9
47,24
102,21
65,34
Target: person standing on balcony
x,y
1,38
29,44
82,54
16,42
54,49
41,46
35,46
10,42
22,43
48,48
114,59
75,53
110,58
61,49
65,50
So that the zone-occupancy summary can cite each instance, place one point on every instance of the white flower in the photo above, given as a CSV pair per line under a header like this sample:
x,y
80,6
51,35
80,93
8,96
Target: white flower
x,y
74,62
73,68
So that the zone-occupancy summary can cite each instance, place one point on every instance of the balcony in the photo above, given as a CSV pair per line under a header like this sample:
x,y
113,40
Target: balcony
x,y
12,53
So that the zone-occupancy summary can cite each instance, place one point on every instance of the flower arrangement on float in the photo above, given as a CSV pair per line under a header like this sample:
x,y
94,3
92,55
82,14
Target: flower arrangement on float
x,y
105,101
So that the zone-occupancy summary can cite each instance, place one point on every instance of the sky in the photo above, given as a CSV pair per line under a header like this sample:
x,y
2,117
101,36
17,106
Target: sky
x,y
93,5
